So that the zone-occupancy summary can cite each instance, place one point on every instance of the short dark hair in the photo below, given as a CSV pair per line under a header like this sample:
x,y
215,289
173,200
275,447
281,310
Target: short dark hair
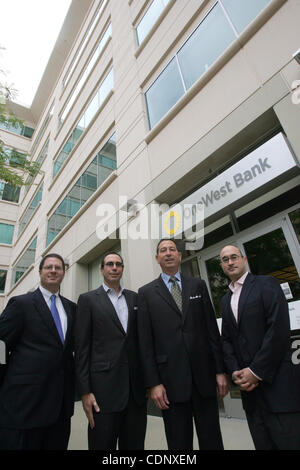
x,y
110,253
163,240
52,255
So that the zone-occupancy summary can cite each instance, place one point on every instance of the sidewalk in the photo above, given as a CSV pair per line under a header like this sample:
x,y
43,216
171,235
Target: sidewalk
x,y
235,433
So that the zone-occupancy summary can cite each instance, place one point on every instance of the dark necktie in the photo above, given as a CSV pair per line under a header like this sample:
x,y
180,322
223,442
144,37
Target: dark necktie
x,y
56,318
176,292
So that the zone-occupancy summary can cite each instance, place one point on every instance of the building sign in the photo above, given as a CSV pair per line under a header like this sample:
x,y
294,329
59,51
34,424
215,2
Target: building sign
x,y
267,162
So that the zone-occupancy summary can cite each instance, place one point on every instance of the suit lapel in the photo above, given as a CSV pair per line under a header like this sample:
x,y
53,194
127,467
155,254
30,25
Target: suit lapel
x,y
186,291
108,308
164,292
130,305
229,309
68,310
246,289
45,314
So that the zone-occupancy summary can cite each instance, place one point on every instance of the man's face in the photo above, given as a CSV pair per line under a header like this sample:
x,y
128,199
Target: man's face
x,y
112,270
52,274
233,263
168,257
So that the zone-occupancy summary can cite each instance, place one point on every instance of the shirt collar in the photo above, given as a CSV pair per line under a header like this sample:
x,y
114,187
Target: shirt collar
x,y
109,289
240,281
166,277
46,292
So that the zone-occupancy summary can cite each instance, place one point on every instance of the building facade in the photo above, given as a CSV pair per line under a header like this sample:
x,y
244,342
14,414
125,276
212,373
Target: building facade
x,y
147,105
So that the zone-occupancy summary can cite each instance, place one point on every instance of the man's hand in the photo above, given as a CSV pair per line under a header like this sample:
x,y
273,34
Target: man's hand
x,y
245,380
89,402
222,385
159,395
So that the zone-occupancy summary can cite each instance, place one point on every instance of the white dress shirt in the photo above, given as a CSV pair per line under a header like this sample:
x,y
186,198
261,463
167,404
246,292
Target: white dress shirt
x,y
236,288
119,303
61,311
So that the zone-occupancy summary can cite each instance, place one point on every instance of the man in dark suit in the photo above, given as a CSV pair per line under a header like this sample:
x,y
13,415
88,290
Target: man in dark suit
x,y
257,353
181,353
37,391
107,361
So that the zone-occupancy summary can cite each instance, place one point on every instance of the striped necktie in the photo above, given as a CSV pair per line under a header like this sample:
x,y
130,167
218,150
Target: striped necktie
x,y
176,292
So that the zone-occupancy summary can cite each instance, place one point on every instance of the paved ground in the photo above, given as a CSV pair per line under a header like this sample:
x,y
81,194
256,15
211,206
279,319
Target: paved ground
x,y
235,433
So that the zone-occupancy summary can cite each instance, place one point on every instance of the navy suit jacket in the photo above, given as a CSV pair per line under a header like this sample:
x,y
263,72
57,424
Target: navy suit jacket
x,y
261,340
39,380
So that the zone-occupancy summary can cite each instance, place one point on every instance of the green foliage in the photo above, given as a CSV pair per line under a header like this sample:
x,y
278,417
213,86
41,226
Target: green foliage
x,y
14,166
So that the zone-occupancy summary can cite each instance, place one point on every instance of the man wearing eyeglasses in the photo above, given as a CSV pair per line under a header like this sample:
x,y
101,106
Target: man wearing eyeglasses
x,y
108,369
38,390
257,353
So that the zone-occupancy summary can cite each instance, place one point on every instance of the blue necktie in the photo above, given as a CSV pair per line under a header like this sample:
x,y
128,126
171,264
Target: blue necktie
x,y
56,318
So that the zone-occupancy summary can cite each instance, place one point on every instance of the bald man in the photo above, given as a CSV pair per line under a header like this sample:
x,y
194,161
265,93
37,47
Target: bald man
x,y
257,353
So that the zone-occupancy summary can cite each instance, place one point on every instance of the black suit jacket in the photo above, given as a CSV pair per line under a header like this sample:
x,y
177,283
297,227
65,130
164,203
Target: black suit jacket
x,y
39,380
107,358
175,347
261,340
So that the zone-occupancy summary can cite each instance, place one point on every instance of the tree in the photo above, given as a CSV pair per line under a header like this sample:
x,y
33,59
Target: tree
x,y
14,166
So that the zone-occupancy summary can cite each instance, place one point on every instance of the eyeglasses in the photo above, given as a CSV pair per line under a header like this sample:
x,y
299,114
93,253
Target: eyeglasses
x,y
50,268
110,264
233,258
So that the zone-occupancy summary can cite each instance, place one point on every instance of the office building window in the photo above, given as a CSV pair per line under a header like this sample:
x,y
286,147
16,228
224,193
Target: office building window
x,y
91,179
9,193
25,131
3,274
24,263
80,84
153,12
242,16
30,210
103,91
220,27
84,43
6,233
205,46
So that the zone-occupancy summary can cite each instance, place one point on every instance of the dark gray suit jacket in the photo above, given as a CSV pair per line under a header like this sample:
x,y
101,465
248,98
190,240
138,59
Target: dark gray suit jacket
x,y
107,358
261,340
179,348
39,380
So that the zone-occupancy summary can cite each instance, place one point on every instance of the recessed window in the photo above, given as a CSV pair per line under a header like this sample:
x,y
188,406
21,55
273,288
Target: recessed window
x,y
3,274
24,263
154,11
6,233
241,16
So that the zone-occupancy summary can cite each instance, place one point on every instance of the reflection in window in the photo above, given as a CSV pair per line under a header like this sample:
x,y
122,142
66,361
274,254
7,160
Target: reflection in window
x,y
164,93
205,46
24,262
295,219
208,42
269,254
3,274
149,18
242,16
95,174
6,233
25,131
9,193
218,282
103,91
30,210
91,63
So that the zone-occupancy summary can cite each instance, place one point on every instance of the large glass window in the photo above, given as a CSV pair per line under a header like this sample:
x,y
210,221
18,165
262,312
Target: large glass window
x,y
99,48
95,174
3,274
89,113
9,193
17,129
30,210
205,45
242,15
24,263
221,26
6,233
164,92
295,219
149,18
